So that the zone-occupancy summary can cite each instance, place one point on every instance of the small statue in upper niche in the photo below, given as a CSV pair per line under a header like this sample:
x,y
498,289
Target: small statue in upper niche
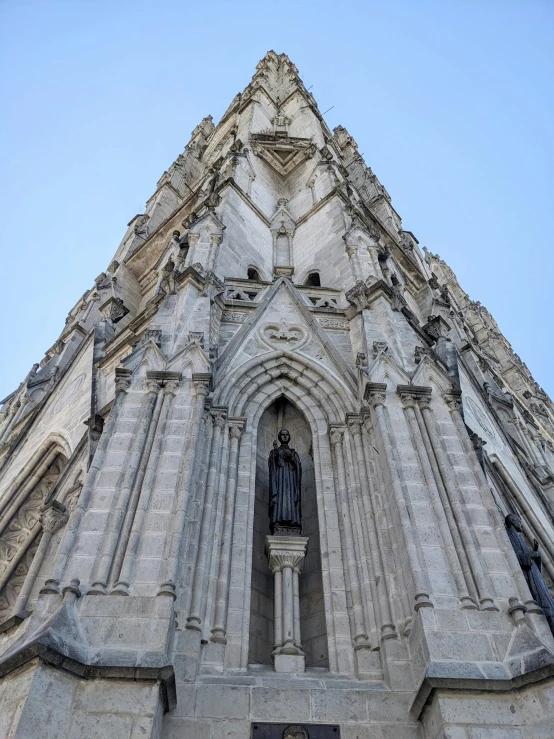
x,y
531,564
141,228
285,481
167,282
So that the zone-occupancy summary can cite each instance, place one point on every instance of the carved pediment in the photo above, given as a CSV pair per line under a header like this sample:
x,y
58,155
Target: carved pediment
x,y
283,154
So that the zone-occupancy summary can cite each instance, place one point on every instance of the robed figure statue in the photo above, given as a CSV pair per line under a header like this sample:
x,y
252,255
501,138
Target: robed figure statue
x,y
531,564
285,481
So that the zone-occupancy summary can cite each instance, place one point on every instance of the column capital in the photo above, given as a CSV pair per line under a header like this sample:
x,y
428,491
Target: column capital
x,y
152,385
424,402
336,434
407,399
236,427
355,424
201,383
286,551
54,517
122,380
171,387
219,416
409,394
375,393
453,400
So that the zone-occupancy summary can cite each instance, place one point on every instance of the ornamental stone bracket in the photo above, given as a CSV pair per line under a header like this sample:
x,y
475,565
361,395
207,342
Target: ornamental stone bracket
x,y
113,310
286,557
436,327
282,154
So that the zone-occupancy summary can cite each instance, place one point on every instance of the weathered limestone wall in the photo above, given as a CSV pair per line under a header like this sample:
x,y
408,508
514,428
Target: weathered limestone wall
x,y
139,583
227,706
522,714
40,701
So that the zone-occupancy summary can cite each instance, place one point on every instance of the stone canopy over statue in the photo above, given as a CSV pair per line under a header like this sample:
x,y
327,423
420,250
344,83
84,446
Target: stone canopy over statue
x,y
531,564
285,482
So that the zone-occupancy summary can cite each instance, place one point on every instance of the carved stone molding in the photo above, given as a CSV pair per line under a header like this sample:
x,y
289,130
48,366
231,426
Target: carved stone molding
x,y
283,154
122,380
283,335
336,435
201,382
151,334
436,327
219,417
336,323
420,352
232,317
357,295
113,309
54,517
412,394
196,338
286,551
454,402
355,424
236,427
380,347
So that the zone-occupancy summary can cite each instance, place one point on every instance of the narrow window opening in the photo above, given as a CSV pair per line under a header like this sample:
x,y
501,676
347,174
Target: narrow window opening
x,y
253,274
312,280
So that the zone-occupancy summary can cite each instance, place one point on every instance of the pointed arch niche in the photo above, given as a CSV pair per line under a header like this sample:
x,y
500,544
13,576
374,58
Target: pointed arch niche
x,y
284,414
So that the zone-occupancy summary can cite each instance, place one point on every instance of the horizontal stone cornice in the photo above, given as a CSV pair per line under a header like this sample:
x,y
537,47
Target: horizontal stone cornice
x,y
38,652
431,685
415,390
161,375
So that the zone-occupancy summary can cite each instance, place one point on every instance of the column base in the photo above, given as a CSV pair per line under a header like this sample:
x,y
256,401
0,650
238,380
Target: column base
x,y
289,663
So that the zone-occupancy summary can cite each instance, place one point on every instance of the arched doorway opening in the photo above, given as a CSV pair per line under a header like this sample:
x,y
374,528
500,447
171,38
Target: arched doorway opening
x,y
283,414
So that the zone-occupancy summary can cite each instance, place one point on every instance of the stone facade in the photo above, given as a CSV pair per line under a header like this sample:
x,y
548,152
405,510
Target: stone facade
x,y
269,283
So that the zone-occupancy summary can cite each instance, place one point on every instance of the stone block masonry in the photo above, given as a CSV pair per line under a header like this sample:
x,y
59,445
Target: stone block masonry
x,y
269,284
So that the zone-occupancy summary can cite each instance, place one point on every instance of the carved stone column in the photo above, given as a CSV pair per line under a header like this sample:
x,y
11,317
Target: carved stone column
x,y
127,554
286,557
353,253
386,622
409,395
195,617
200,387
236,427
452,489
51,520
52,585
122,493
376,393
215,241
361,639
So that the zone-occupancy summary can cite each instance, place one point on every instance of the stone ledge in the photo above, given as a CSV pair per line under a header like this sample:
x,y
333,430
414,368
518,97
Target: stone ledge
x,y
475,685
53,658
10,622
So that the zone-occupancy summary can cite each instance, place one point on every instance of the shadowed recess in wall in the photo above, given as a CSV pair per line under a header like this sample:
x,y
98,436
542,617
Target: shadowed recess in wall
x,y
283,414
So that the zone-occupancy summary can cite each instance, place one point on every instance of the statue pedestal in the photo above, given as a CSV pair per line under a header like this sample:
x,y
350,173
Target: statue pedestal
x,y
286,557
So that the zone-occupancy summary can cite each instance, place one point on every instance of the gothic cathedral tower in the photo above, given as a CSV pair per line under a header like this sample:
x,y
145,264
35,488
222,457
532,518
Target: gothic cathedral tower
x,y
153,583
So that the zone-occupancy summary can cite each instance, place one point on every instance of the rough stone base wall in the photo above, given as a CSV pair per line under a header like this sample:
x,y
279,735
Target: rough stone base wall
x,y
40,701
224,707
525,714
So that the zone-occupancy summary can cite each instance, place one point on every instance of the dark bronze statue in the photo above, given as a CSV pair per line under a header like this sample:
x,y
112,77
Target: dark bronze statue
x,y
531,564
285,481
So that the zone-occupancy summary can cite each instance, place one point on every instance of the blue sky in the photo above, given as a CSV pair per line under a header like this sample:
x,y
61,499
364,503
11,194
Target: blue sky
x,y
450,101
